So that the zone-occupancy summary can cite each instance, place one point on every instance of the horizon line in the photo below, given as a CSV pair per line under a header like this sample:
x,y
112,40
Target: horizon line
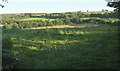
x,y
55,12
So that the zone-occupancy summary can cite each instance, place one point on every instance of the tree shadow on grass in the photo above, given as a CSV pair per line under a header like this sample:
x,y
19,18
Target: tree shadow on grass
x,y
74,55
69,55
8,59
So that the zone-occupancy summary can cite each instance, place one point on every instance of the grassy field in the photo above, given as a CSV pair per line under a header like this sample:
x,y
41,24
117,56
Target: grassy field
x,y
26,19
65,48
66,26
105,19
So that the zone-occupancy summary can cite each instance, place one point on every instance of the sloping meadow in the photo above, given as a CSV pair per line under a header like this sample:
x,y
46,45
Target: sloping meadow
x,y
63,48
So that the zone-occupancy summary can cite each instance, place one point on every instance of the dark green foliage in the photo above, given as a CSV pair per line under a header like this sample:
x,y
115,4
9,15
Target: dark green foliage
x,y
67,20
115,5
73,15
76,20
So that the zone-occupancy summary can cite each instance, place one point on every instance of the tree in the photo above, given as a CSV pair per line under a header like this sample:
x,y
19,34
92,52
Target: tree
x,y
2,4
6,26
73,15
67,20
87,10
57,22
103,10
114,4
28,14
49,23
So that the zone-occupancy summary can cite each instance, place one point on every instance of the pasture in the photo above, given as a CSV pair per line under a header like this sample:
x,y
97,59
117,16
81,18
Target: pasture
x,y
29,19
64,48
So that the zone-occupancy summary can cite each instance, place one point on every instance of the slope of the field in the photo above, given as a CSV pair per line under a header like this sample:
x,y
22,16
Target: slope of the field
x,y
65,48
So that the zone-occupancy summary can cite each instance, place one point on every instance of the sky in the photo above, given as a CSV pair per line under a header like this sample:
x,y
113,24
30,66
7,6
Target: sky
x,y
52,6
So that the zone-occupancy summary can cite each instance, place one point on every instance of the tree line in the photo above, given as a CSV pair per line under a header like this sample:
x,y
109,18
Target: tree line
x,y
15,20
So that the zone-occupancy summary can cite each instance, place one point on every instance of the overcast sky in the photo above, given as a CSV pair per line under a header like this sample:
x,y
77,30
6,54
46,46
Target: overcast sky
x,y
49,6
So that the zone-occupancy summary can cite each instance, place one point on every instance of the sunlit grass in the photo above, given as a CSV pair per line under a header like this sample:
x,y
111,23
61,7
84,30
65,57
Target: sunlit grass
x,y
26,19
60,48
59,26
104,19
33,48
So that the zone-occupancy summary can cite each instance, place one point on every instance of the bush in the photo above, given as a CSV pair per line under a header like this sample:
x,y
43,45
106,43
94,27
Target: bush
x,y
7,26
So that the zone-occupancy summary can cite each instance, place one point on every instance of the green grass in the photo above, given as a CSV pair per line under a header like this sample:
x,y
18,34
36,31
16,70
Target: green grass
x,y
68,48
104,19
85,18
26,19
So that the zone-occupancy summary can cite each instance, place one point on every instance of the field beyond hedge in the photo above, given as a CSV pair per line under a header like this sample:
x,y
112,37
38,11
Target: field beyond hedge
x,y
29,19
